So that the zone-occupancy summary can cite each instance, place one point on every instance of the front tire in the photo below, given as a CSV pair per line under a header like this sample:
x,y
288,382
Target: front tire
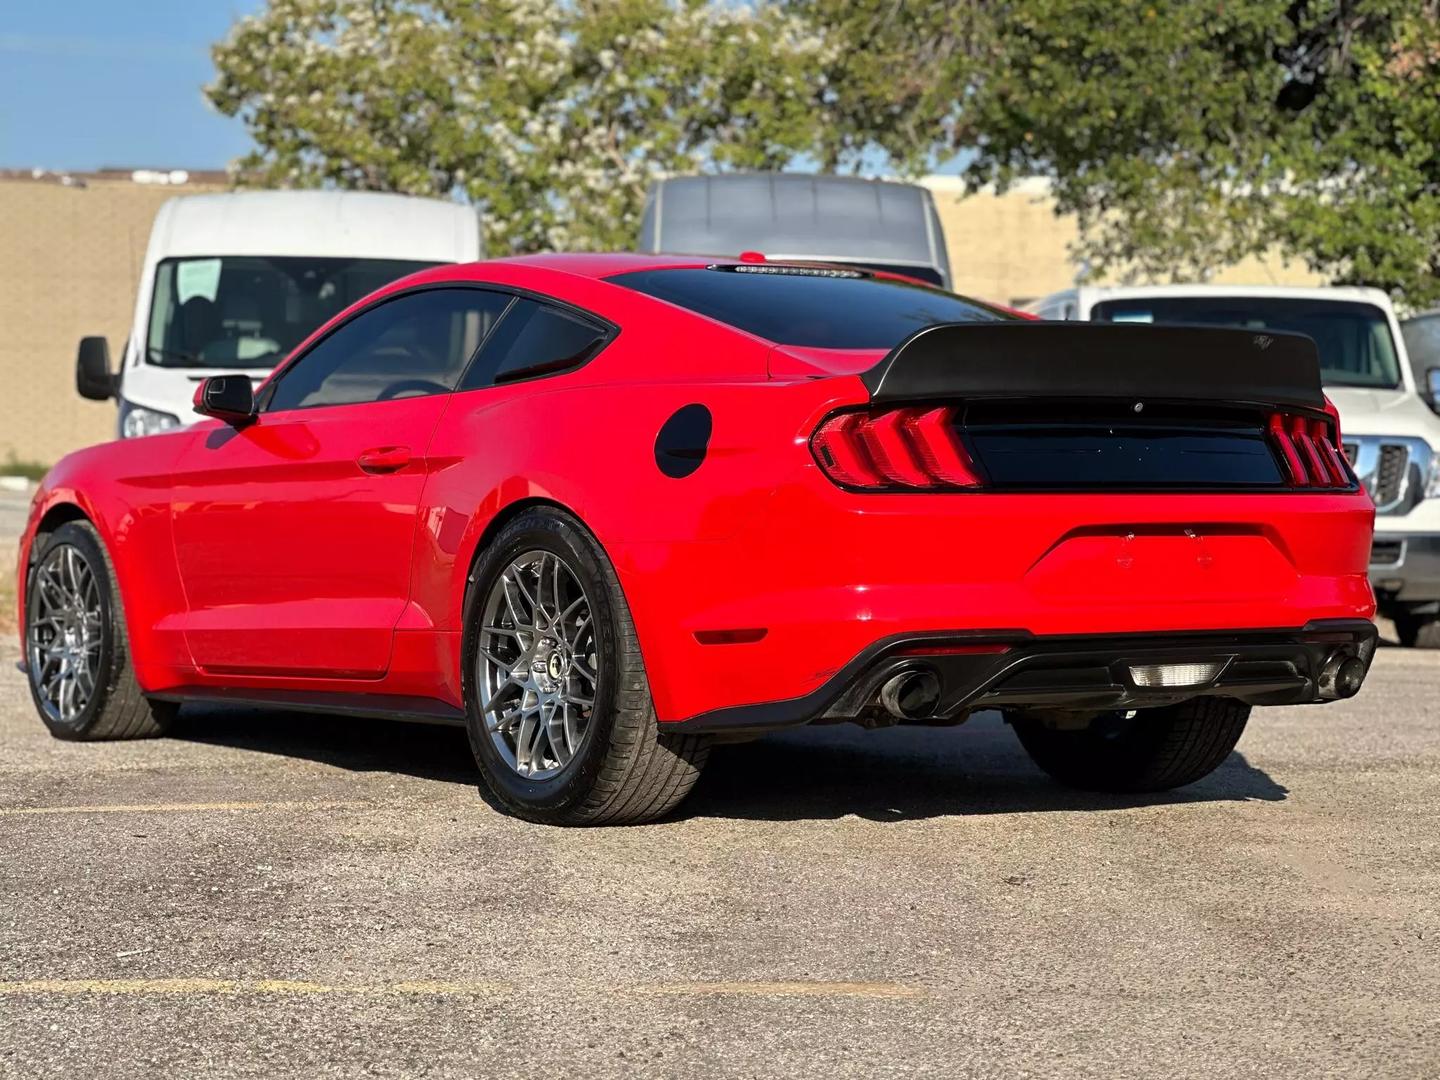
x,y
77,649
558,705
1151,750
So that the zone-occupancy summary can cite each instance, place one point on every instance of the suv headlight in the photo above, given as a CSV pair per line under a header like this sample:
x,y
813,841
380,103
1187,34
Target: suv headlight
x,y
135,420
1432,477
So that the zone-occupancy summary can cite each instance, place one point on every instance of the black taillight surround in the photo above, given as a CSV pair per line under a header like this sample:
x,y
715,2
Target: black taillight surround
x,y
922,448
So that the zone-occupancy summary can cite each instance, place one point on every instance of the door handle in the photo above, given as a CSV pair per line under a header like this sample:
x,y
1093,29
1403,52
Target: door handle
x,y
384,459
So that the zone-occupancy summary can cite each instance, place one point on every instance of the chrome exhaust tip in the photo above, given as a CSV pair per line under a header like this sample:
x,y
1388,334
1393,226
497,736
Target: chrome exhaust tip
x,y
1340,676
911,695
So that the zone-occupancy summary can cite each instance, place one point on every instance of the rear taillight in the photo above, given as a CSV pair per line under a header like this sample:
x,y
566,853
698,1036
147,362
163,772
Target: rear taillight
x,y
1310,450
914,448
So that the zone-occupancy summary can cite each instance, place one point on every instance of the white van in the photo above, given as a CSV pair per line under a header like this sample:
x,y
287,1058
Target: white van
x,y
232,282
1390,436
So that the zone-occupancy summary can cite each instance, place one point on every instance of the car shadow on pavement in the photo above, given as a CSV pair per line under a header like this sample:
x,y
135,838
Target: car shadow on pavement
x,y
424,751
896,774
906,773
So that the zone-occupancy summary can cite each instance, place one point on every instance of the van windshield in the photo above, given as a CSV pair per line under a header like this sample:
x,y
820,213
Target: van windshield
x,y
248,311
1353,338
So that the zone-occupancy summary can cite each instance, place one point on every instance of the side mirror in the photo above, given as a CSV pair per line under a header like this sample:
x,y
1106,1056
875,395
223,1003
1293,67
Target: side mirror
x,y
226,397
1432,385
93,380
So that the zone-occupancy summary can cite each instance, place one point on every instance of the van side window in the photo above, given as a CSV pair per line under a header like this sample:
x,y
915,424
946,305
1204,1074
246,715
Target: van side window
x,y
414,345
535,339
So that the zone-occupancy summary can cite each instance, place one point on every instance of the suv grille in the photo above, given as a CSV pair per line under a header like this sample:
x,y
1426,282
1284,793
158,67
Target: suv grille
x,y
1390,474
1392,469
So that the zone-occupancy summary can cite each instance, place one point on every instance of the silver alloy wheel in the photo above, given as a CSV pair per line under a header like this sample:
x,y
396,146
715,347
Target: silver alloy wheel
x,y
537,664
64,633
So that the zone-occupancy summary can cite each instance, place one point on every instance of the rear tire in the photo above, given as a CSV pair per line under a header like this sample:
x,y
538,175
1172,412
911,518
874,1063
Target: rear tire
x,y
621,768
83,685
1156,750
1418,631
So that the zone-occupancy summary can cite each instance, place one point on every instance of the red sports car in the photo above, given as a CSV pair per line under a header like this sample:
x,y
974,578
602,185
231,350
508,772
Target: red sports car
x,y
605,509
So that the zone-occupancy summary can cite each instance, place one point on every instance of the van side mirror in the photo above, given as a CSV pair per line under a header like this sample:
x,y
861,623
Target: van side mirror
x,y
226,397
1432,386
93,380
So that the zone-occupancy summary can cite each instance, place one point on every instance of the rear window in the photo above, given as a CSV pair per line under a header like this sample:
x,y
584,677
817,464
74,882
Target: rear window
x,y
1353,338
819,309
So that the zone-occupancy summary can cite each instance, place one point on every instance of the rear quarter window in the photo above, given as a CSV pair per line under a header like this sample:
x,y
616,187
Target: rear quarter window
x,y
535,339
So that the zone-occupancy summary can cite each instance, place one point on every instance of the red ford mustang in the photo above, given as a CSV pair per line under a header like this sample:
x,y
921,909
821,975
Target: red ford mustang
x,y
603,510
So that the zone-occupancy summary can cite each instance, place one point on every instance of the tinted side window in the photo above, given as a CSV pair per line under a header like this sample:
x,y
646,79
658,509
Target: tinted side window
x,y
407,347
534,339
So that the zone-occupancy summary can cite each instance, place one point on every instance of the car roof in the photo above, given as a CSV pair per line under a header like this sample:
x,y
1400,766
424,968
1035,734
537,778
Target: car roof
x,y
341,224
1097,293
605,264
811,216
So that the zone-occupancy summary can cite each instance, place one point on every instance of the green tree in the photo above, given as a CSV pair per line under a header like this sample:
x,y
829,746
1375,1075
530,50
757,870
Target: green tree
x,y
1184,134
551,117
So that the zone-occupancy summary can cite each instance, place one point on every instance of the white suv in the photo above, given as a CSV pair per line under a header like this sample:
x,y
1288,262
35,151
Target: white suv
x,y
1390,436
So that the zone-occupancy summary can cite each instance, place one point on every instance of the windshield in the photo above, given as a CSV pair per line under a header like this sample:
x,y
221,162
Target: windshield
x,y
1422,341
247,311
807,307
1353,338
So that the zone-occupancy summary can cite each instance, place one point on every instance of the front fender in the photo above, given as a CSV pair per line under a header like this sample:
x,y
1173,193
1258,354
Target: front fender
x,y
123,489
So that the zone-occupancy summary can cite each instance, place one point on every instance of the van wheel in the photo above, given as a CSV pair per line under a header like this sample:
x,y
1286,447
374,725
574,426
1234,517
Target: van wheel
x,y
76,646
1139,750
558,707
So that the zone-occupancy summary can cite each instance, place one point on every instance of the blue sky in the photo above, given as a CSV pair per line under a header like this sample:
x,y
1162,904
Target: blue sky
x,y
85,83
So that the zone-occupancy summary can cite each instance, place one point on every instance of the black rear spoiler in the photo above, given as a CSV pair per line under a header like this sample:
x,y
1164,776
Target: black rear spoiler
x,y
1100,360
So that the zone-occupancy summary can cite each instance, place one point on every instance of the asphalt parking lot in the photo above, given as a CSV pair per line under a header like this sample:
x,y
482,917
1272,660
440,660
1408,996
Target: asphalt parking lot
x,y
276,894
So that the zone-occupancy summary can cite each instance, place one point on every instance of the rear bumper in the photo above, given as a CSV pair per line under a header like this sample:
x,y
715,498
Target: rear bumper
x,y
1091,672
1405,568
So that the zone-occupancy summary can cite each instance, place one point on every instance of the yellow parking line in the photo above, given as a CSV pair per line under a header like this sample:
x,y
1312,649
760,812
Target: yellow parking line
x,y
172,808
135,987
793,988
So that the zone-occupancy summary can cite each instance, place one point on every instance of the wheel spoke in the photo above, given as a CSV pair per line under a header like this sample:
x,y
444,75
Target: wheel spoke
x,y
506,586
572,729
519,580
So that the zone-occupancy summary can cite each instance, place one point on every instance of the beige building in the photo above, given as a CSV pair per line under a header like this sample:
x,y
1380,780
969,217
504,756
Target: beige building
x,y
71,251
70,255
1012,248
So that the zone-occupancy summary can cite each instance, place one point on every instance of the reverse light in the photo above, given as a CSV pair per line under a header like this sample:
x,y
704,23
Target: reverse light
x,y
912,448
1156,676
1310,449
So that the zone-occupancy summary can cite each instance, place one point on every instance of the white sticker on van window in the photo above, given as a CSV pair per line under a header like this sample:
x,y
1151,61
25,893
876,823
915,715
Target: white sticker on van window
x,y
197,277
1132,316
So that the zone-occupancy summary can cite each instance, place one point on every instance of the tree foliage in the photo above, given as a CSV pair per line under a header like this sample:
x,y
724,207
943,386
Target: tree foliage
x,y
1184,134
551,117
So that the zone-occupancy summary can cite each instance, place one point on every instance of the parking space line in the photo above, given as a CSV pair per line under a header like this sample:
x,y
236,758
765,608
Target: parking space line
x,y
436,988
250,987
787,988
175,808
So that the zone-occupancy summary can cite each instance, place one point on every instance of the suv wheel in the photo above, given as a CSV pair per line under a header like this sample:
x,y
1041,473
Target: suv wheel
x,y
1138,750
1418,631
